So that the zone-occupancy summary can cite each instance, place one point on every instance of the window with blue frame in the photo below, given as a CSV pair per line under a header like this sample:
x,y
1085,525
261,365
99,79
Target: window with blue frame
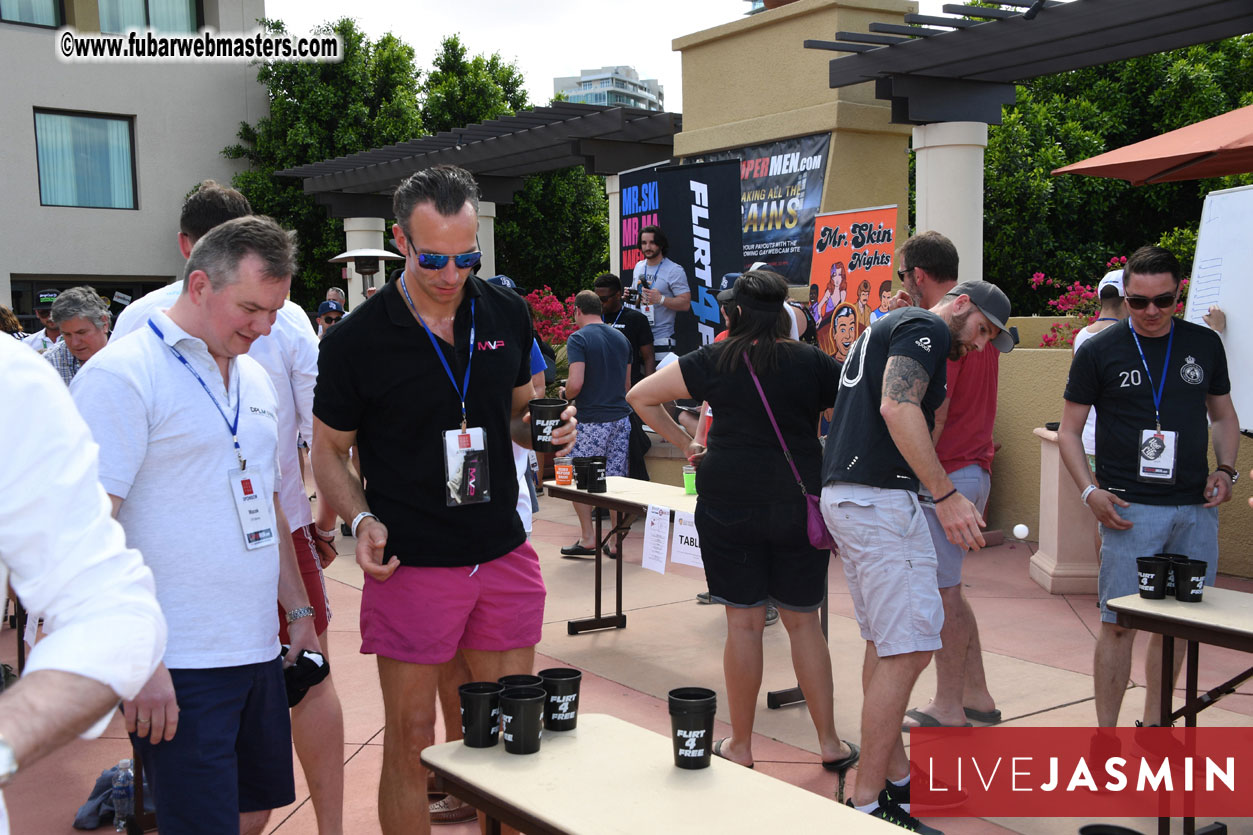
x,y
34,12
85,160
116,16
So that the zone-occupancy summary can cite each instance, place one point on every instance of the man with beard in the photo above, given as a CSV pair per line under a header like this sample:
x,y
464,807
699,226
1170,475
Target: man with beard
x,y
878,456
47,336
662,284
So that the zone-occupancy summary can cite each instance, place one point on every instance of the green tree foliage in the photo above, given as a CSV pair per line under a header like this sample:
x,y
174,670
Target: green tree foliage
x,y
460,91
318,112
1068,226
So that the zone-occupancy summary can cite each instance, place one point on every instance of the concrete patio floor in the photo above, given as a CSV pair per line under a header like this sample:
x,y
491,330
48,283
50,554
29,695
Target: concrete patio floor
x,y
1038,654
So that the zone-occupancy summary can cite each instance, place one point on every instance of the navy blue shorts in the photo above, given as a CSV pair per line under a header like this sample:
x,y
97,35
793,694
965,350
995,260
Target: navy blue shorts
x,y
232,751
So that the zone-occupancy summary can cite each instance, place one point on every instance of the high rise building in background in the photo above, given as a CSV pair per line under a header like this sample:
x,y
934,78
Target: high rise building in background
x,y
619,86
755,6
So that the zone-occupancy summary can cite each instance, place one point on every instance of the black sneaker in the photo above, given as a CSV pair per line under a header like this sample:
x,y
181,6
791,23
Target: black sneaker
x,y
949,797
894,814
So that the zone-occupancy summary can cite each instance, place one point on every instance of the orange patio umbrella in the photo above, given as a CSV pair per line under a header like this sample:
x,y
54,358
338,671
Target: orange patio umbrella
x,y
1212,148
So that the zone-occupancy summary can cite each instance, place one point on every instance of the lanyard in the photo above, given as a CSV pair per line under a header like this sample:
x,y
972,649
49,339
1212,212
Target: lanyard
x,y
614,323
464,388
1160,388
232,427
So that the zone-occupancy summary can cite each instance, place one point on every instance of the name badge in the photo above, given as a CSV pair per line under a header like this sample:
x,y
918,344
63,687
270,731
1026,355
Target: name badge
x,y
647,310
466,478
1157,456
255,509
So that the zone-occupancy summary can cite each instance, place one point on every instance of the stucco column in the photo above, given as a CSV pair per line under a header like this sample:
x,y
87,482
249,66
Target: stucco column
x,y
1066,562
487,237
613,191
363,233
948,177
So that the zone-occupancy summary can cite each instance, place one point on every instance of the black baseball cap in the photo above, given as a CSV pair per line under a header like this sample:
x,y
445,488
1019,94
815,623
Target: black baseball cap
x,y
992,303
45,298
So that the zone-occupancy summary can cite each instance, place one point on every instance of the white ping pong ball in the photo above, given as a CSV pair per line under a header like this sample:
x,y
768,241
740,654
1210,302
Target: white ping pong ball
x,y
1021,531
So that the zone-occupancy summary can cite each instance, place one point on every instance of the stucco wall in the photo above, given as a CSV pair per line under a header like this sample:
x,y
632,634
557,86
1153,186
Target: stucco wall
x,y
751,81
1031,384
184,115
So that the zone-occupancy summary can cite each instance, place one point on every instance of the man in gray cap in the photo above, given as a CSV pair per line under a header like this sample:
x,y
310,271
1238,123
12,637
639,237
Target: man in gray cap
x,y
878,455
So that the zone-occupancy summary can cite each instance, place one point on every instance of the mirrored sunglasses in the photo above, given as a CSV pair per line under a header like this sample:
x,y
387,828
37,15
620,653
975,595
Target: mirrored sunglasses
x,y
464,261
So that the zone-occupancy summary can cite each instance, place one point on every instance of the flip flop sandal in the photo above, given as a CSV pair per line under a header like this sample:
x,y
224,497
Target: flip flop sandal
x,y
846,763
578,550
452,810
988,717
926,720
718,752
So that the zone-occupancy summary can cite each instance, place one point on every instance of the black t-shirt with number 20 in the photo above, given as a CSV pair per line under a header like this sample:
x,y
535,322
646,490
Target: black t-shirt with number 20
x,y
1107,372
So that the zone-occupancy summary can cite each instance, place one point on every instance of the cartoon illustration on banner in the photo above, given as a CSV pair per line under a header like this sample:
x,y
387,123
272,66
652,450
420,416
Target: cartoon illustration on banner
x,y
850,274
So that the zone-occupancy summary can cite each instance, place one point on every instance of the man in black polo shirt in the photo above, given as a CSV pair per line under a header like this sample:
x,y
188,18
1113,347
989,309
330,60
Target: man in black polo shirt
x,y
634,326
443,389
878,452
1158,384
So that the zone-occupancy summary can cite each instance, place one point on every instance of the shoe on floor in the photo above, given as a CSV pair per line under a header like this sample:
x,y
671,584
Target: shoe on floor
x,y
449,809
704,597
987,717
345,529
894,814
926,720
949,796
577,550
846,763
772,615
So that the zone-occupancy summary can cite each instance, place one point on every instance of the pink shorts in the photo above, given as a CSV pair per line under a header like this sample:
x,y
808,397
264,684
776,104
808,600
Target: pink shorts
x,y
315,585
424,615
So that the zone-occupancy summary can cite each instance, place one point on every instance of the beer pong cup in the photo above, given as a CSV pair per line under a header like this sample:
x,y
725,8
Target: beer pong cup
x,y
520,680
480,713
692,725
561,708
582,472
1189,579
563,467
545,417
522,718
596,474
1170,572
1153,572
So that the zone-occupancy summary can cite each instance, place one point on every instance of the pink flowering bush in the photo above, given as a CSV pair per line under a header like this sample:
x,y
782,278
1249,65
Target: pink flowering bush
x,y
554,319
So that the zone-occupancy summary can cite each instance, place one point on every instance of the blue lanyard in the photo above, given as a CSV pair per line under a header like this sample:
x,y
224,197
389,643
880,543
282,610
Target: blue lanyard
x,y
465,385
614,323
232,427
1161,387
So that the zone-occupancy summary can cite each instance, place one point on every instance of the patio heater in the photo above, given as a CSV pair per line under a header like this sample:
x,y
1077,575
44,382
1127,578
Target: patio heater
x,y
366,262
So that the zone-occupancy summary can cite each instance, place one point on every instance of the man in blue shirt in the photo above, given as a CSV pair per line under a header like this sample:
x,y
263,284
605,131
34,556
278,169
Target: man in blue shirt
x,y
600,374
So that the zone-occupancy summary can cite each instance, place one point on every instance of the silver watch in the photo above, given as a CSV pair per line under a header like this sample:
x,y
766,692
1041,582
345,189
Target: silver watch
x,y
8,762
296,614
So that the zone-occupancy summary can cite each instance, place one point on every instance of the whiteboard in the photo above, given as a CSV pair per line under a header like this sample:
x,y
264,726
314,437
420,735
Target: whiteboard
x,y
1220,275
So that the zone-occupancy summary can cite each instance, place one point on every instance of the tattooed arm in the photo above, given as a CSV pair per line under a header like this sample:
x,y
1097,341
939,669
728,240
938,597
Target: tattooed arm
x,y
905,383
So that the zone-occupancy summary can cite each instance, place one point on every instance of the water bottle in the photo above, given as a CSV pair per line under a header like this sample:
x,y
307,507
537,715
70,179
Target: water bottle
x,y
123,795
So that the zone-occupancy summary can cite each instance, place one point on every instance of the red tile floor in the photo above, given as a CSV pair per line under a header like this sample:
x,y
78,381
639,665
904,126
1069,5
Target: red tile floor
x,y
1038,654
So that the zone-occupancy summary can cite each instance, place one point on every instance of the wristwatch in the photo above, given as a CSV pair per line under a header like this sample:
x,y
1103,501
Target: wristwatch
x,y
8,762
296,614
1229,470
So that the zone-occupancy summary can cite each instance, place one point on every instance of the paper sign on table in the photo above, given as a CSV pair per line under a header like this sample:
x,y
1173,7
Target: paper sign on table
x,y
685,545
656,537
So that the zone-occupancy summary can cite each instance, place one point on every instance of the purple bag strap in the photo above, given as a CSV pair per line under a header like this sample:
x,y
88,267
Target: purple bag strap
x,y
786,452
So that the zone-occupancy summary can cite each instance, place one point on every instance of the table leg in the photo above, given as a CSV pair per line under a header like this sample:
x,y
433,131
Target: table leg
x,y
1194,656
1167,705
601,621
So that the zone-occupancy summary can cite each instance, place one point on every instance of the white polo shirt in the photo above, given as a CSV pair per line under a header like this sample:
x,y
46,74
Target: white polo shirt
x,y
165,449
289,354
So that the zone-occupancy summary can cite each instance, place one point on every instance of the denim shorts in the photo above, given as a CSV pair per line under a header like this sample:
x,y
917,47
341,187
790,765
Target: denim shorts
x,y
890,565
974,483
1187,529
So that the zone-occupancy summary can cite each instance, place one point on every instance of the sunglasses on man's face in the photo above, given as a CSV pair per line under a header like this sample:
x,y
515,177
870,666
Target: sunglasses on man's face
x,y
1166,301
464,261
330,320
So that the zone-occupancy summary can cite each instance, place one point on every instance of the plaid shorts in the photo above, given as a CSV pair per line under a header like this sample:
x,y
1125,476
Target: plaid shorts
x,y
611,440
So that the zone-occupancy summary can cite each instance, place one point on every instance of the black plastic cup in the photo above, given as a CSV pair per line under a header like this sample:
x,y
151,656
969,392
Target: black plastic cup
x,y
692,725
582,472
1189,579
561,710
1153,572
545,417
522,718
1106,829
1170,573
520,680
596,474
480,713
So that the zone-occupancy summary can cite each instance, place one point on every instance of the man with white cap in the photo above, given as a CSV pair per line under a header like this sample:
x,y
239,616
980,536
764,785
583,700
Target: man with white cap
x,y
1113,310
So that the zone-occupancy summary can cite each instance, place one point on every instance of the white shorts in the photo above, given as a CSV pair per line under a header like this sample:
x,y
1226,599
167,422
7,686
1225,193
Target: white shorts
x,y
890,564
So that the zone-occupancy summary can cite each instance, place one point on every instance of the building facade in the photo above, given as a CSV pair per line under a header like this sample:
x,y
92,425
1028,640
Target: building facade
x,y
97,157
612,86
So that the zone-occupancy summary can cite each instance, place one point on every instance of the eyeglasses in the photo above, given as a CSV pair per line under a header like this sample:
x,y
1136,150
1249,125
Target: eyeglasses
x,y
1165,301
464,261
330,320
902,273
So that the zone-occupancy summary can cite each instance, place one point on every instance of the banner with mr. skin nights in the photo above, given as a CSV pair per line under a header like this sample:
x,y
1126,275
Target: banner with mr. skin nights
x,y
851,272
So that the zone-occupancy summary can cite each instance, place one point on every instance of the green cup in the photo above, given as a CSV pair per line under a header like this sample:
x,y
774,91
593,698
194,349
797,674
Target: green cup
x,y
689,480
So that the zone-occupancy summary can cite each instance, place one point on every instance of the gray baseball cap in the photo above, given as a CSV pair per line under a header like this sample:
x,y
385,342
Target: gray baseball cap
x,y
992,303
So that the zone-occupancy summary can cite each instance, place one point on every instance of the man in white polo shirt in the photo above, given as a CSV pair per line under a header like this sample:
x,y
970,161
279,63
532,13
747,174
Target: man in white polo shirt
x,y
188,431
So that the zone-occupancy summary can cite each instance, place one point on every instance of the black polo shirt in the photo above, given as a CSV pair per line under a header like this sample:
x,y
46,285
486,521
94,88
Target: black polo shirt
x,y
379,375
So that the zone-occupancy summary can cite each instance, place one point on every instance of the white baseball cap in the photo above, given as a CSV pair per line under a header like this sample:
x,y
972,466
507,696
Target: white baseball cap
x,y
1113,278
